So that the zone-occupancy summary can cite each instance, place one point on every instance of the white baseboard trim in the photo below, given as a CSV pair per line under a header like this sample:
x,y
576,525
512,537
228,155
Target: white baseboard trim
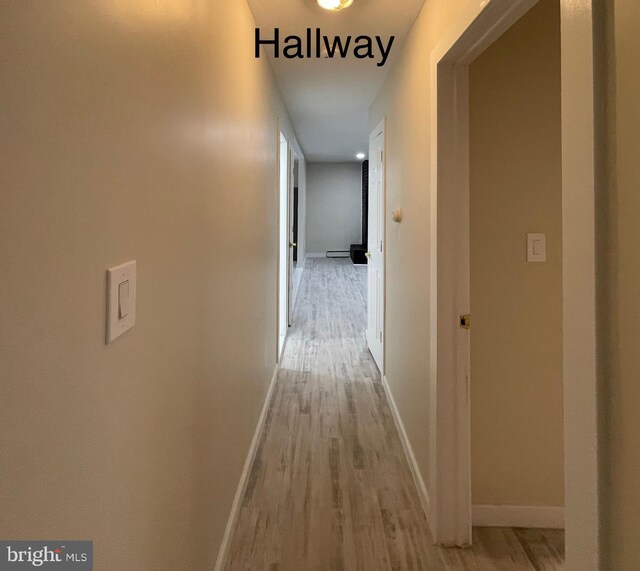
x,y
316,255
423,494
548,517
223,553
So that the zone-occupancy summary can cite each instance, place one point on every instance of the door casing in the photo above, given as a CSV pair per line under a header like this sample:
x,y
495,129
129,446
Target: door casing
x,y
283,225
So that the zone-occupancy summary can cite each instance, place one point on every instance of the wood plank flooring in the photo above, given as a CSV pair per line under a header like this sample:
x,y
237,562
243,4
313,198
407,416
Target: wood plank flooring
x,y
506,549
330,488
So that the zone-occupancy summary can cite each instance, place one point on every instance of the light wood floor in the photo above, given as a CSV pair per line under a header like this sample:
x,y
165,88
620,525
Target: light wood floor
x,y
330,488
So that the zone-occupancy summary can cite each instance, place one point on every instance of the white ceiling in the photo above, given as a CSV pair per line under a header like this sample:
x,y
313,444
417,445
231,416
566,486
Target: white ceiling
x,y
329,99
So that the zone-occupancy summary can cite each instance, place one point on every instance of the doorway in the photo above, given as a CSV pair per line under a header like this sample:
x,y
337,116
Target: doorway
x,y
477,28
515,217
298,229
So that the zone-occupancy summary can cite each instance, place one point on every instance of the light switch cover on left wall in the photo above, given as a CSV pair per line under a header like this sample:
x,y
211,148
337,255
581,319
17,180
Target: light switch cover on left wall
x,y
121,300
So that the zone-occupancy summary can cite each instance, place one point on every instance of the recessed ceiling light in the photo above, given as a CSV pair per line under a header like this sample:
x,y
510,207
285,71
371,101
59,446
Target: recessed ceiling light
x,y
334,5
360,156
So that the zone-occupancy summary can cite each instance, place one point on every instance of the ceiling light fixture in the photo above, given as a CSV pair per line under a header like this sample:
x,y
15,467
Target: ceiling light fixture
x,y
334,5
360,156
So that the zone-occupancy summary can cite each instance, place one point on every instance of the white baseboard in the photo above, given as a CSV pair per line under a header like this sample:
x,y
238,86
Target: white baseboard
x,y
548,517
423,494
223,553
316,255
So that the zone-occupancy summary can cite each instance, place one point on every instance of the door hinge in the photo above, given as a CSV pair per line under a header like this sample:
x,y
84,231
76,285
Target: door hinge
x,y
465,321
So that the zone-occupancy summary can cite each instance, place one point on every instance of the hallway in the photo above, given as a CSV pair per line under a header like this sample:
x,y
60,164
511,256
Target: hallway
x,y
330,488
174,174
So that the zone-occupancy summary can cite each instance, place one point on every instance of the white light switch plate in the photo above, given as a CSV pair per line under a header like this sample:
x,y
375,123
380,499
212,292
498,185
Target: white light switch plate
x,y
536,247
121,299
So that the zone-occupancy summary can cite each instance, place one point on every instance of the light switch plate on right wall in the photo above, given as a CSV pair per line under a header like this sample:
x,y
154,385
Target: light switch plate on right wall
x,y
121,300
536,247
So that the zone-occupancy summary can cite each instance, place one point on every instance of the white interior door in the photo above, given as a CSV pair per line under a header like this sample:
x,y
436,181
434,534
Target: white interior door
x,y
375,254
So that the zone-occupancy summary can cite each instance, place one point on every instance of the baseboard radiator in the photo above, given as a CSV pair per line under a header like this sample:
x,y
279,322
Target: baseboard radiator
x,y
337,253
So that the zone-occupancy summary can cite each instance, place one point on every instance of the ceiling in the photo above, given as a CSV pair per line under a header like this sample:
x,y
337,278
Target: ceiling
x,y
329,99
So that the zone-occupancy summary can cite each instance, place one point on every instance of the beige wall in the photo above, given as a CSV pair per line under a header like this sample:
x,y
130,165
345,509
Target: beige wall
x,y
133,130
334,206
516,339
404,101
620,277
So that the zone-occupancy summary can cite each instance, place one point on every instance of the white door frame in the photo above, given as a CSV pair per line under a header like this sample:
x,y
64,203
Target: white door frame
x,y
284,159
478,25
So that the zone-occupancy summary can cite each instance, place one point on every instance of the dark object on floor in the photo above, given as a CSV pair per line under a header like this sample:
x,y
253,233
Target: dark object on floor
x,y
357,252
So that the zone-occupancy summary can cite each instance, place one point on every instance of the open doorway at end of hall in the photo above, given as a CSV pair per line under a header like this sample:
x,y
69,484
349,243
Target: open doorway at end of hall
x,y
297,232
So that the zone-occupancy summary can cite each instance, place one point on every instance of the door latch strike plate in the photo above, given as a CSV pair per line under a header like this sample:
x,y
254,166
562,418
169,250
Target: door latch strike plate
x,y
465,321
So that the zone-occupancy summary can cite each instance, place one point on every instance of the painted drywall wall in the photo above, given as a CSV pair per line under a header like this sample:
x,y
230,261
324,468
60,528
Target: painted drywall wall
x,y
516,339
404,100
334,206
620,281
133,130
